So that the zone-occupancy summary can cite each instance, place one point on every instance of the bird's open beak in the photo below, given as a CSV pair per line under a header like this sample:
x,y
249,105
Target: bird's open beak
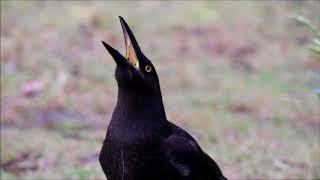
x,y
132,48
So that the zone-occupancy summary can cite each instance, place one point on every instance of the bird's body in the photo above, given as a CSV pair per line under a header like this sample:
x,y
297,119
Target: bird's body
x,y
141,144
132,148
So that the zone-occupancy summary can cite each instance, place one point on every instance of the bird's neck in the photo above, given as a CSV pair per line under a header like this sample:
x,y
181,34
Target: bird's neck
x,y
139,106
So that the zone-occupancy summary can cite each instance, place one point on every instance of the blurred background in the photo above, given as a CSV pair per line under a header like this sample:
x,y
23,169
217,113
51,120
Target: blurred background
x,y
239,76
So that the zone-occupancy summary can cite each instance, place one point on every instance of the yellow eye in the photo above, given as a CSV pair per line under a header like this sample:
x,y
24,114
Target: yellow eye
x,y
148,68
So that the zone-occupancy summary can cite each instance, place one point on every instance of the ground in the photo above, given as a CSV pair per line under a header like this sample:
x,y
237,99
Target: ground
x,y
237,75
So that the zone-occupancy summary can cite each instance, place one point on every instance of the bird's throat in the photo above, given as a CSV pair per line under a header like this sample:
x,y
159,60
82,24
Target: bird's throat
x,y
136,105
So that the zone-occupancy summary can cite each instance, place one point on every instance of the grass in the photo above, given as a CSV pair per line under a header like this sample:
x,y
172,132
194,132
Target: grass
x,y
237,75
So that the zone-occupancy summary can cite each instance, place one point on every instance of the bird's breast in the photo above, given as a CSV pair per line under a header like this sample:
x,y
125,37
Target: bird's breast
x,y
138,157
133,149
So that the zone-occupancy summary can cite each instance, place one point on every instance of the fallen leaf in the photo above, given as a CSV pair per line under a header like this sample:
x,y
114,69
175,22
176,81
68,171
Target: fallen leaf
x,y
32,88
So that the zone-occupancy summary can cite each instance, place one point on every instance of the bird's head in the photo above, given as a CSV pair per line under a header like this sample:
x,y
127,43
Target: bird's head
x,y
134,71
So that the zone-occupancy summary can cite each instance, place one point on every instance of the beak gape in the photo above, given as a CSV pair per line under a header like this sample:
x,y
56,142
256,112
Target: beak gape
x,y
132,48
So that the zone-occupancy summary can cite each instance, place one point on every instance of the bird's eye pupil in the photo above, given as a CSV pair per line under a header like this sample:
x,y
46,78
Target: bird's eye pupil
x,y
148,68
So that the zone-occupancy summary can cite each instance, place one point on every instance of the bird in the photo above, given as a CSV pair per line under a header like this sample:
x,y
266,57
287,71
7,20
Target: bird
x,y
140,142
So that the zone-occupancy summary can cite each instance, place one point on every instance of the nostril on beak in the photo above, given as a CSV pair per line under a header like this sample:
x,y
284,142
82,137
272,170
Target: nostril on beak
x,y
135,64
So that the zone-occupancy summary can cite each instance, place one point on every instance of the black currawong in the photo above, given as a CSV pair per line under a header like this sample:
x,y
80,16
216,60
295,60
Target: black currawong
x,y
140,143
